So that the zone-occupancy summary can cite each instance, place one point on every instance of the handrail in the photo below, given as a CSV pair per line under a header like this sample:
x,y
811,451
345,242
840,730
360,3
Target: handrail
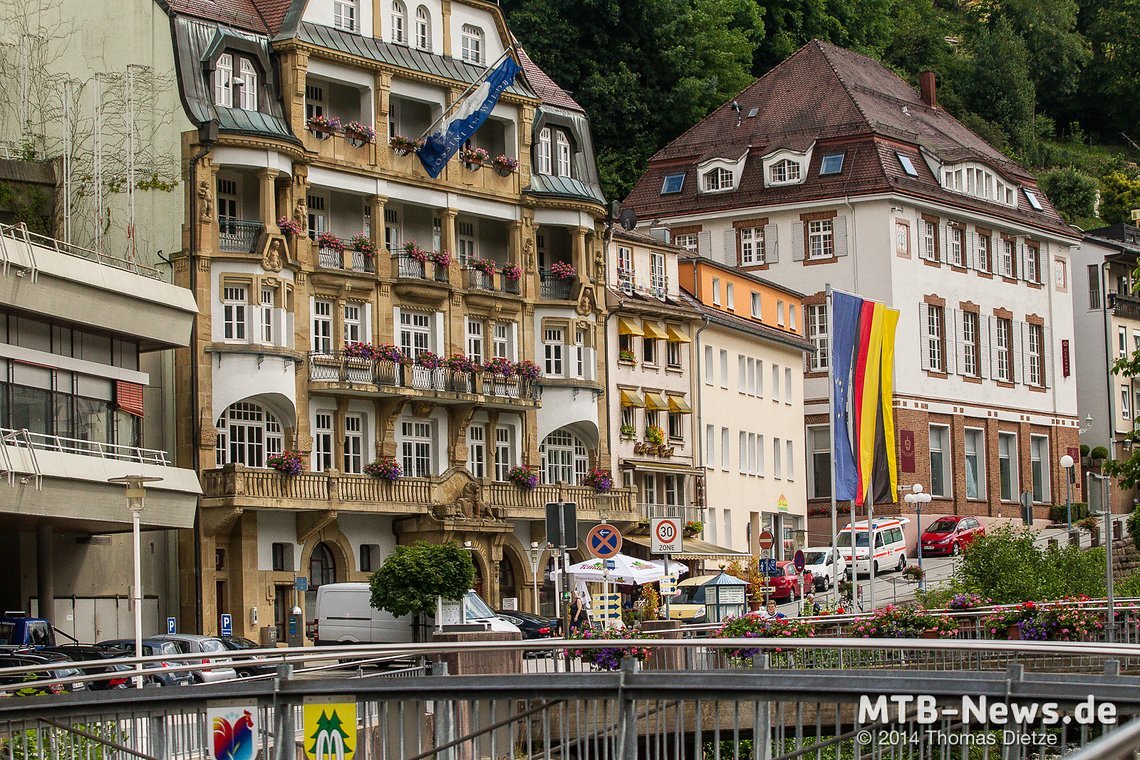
x,y
20,232
25,438
16,438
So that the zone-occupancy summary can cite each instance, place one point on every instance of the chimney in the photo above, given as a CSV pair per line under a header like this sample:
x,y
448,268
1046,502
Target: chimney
x,y
928,88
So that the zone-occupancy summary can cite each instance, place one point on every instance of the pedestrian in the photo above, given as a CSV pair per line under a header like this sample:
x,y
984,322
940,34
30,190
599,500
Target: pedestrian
x,y
811,606
579,615
771,613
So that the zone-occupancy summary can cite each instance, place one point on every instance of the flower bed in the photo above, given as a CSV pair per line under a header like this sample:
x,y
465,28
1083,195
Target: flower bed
x,y
358,350
505,165
441,258
322,126
608,658
524,477
654,434
474,158
287,462
752,626
384,468
625,355
390,353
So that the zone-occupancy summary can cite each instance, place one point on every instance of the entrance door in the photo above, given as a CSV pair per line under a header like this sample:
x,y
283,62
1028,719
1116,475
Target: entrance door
x,y
282,603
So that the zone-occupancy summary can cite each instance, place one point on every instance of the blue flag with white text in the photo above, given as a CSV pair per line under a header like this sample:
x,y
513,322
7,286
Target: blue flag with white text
x,y
470,114
845,310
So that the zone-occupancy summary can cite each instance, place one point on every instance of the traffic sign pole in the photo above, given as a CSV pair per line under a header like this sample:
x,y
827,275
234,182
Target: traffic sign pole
x,y
667,615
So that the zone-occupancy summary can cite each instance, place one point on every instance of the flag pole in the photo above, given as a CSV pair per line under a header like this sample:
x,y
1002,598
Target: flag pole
x,y
831,444
471,88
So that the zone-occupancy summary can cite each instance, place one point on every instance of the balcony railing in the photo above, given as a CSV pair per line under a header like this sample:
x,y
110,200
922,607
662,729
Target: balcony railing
x,y
553,287
330,258
1125,305
99,449
236,481
337,366
477,279
686,512
409,268
509,286
238,235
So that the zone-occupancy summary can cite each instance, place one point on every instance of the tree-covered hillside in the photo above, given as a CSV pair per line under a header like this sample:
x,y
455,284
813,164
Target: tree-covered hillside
x,y
1053,83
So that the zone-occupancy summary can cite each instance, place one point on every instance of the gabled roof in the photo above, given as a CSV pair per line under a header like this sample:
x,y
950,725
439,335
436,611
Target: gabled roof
x,y
838,101
545,87
240,14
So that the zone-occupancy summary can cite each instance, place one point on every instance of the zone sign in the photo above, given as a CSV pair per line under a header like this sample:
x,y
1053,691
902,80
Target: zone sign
x,y
666,535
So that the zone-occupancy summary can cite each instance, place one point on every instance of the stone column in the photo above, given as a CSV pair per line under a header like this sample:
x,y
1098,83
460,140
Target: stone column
x,y
45,571
447,28
580,257
449,242
383,260
267,200
382,98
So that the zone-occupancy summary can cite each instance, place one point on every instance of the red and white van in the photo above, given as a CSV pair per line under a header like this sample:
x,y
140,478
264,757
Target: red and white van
x,y
890,546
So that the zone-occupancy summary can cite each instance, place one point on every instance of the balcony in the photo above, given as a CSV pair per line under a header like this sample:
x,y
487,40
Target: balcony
x,y
331,258
684,512
243,486
238,235
555,287
1124,305
340,367
477,279
410,268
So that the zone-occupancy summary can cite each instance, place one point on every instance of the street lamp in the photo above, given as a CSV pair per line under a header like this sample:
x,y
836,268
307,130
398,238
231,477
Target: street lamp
x,y
1067,465
1106,510
136,492
917,498
535,556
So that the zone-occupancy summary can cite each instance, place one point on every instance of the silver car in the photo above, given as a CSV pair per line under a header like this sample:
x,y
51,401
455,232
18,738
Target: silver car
x,y
216,668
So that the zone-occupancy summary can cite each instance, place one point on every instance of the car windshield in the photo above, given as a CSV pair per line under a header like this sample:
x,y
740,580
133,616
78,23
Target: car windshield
x,y
475,608
845,539
212,645
237,642
815,558
942,526
690,595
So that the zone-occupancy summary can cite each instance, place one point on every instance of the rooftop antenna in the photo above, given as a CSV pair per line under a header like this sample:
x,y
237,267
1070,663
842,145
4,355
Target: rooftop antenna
x,y
736,110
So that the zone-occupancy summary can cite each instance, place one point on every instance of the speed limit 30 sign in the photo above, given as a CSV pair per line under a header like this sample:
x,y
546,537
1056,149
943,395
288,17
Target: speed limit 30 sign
x,y
665,534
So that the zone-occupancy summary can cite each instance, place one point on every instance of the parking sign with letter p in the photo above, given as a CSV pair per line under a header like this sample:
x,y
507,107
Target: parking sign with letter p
x,y
665,534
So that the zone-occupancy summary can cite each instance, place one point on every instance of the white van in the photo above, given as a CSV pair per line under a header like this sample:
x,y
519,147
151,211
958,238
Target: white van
x,y
345,615
890,546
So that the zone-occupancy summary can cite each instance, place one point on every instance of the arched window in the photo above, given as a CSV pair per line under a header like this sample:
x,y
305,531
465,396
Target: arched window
x,y
247,434
563,153
563,458
248,81
784,170
224,81
423,28
718,179
544,150
471,44
399,23
322,566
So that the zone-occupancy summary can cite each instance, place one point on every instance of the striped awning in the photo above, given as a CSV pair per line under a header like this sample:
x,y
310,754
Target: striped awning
x,y
696,549
679,404
654,330
677,335
629,327
656,402
630,398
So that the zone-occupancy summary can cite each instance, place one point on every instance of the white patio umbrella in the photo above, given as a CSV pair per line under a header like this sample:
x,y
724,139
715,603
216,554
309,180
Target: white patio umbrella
x,y
626,569
675,568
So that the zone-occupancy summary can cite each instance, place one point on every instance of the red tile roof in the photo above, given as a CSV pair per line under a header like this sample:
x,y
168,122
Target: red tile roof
x,y
242,14
545,87
839,101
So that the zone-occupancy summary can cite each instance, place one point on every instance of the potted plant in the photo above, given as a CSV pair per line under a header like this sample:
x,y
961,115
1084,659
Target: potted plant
x,y
474,158
442,259
359,350
561,270
654,434
460,363
505,165
290,226
524,477
413,251
364,246
752,626
913,573
389,353
1006,621
322,126
940,627
692,528
359,133
330,242
625,356
967,601
628,431
384,468
499,367
402,146
486,266
429,360
512,272
600,480
527,370
287,462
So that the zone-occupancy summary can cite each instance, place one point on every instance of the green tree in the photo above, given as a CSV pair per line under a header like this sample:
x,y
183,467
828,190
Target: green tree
x,y
413,576
1119,195
997,86
1108,87
1073,193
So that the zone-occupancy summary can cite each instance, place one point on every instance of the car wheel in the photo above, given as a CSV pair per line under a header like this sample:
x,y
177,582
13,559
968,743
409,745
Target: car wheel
x,y
902,563
955,550
876,568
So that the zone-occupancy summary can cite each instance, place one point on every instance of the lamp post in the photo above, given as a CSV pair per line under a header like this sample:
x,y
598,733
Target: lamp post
x,y
136,492
917,498
535,556
1106,510
1067,465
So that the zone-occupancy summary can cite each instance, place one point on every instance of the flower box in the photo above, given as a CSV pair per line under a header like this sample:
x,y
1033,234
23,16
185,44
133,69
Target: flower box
x,y
359,134
287,463
403,146
384,468
505,166
322,126
600,480
561,270
474,158
524,477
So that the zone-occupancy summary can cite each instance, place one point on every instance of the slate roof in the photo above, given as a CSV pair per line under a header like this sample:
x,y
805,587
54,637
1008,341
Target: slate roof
x,y
544,87
838,101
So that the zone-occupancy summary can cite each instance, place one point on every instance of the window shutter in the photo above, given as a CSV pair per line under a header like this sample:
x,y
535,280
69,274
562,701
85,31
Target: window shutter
x,y
971,254
731,255
839,225
950,330
1018,346
1025,347
1047,348
960,353
797,241
129,397
947,231
1016,262
924,334
984,345
704,244
771,244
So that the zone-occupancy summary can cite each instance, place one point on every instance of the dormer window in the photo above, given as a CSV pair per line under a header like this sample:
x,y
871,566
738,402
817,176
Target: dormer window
x,y
544,152
399,23
471,43
235,82
224,81
344,15
248,82
553,152
423,29
979,181
784,170
717,179
563,144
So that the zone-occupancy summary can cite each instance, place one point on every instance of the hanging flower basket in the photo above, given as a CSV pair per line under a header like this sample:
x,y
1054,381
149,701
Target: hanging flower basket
x,y
387,352
287,462
460,363
384,468
474,158
524,477
322,126
499,367
290,226
429,360
654,434
359,133
527,370
403,146
600,480
505,166
486,266
693,528
358,350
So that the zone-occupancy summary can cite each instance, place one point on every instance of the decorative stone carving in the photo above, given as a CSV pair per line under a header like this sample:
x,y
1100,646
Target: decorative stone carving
x,y
528,254
599,266
585,301
206,201
274,257
301,213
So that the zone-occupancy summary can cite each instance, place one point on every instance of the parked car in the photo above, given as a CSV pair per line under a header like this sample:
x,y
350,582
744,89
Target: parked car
x,y
63,667
818,561
158,672
90,659
247,666
531,626
214,668
951,534
786,582
19,630
890,546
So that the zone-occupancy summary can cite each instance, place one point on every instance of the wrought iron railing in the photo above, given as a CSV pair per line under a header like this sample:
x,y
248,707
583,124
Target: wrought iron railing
x,y
477,279
553,287
343,367
238,235
331,258
408,267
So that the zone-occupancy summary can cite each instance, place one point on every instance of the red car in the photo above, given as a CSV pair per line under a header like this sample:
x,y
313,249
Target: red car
x,y
786,582
951,534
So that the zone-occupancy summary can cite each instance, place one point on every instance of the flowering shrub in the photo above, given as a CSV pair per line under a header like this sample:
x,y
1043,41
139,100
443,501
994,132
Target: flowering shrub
x,y
363,245
322,123
388,352
288,462
460,363
486,266
1066,623
527,370
998,622
359,350
412,250
752,626
290,226
654,434
628,431
625,355
693,527
506,163
562,270
429,360
512,272
524,477
894,622
360,131
404,144
967,602
474,155
385,468
499,366
330,241
608,658
600,480
441,258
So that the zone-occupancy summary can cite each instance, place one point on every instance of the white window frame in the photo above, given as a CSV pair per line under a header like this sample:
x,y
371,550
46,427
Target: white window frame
x,y
657,278
545,151
1011,458
821,239
345,15
938,438
564,458
235,319
751,246
417,332
929,240
1039,464
1004,347
423,28
935,323
417,448
757,306
398,19
474,338
322,326
247,434
553,342
504,451
625,268
471,43
971,323
687,240
716,180
716,291
784,172
247,97
477,450
725,449
353,443
1007,255
562,152
789,461
503,340
323,421
817,334
268,326
224,80
729,296
974,447
1034,355
816,434
353,323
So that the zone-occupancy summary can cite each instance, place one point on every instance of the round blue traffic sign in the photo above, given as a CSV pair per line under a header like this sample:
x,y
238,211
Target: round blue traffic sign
x,y
603,541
